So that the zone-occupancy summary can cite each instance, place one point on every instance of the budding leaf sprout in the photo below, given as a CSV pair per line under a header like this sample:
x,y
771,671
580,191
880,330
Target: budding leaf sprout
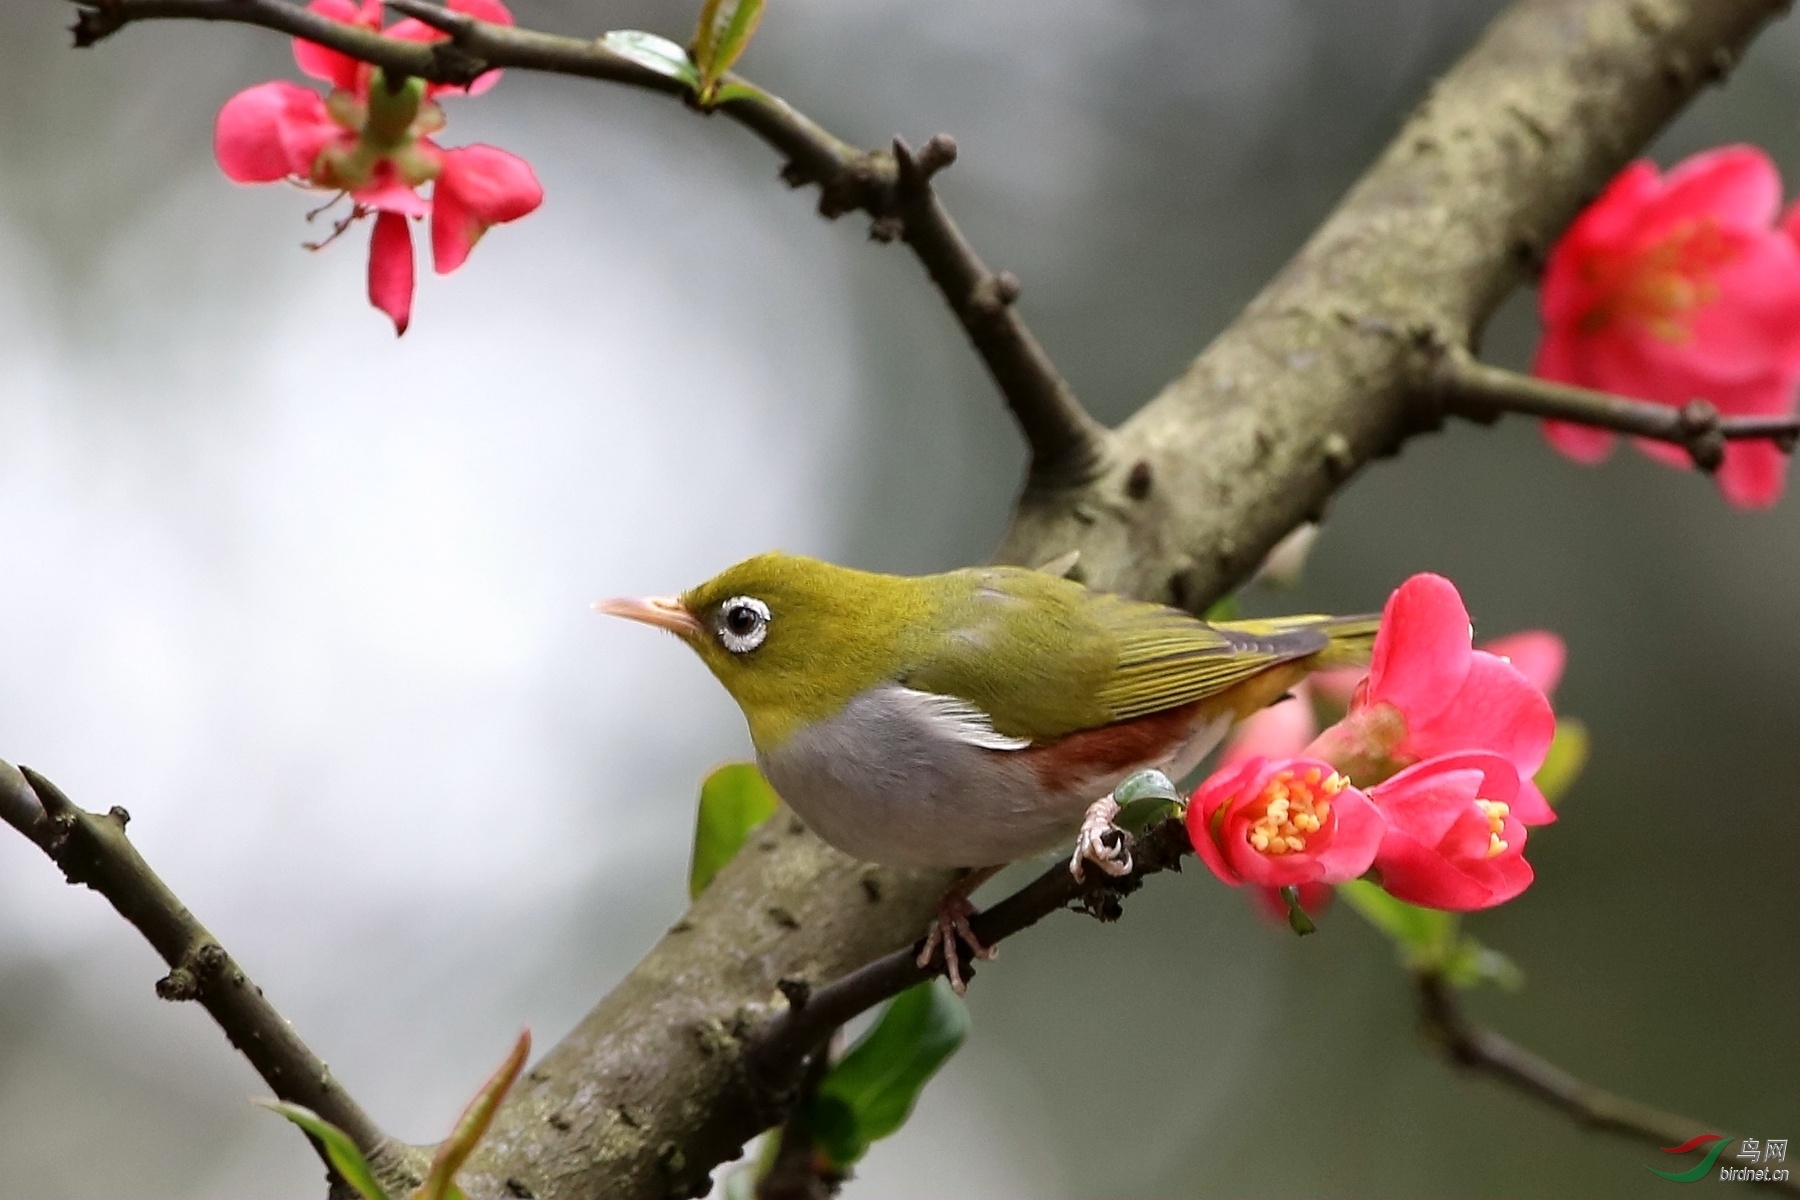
x,y
723,32
452,1152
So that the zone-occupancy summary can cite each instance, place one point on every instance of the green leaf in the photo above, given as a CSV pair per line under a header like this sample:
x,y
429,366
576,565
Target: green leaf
x,y
1144,798
871,1092
1470,963
1567,756
720,38
653,53
472,1126
737,89
733,800
1423,935
1225,608
345,1158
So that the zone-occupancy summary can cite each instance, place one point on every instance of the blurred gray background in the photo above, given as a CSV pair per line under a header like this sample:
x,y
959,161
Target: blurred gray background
x,y
313,603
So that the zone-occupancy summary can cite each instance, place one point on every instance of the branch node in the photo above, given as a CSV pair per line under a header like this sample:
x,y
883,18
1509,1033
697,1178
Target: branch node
x,y
1702,434
797,991
936,154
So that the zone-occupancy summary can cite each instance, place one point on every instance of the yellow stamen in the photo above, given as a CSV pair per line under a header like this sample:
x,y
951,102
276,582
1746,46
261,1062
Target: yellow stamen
x,y
1495,845
1294,804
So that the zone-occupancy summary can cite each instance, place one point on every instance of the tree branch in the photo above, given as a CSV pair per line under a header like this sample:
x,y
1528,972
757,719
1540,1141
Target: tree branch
x,y
92,849
894,187
1473,389
1477,1048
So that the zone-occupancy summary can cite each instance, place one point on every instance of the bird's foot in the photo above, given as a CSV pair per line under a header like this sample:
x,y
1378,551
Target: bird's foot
x,y
950,927
1101,842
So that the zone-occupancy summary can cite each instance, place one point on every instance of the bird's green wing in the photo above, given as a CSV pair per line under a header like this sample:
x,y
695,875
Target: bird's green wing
x,y
1167,658
1045,657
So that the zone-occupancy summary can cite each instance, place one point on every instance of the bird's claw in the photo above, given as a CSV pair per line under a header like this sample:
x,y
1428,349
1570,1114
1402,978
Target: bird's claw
x,y
1101,842
950,927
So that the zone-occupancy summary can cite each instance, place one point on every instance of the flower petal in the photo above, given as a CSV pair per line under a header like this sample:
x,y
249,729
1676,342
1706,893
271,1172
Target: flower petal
x,y
391,269
479,186
1282,730
1538,654
1496,710
334,67
1355,838
1753,473
1418,874
1421,654
1737,186
271,131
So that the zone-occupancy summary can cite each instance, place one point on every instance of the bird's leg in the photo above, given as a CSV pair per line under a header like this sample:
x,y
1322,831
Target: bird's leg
x,y
1100,841
951,925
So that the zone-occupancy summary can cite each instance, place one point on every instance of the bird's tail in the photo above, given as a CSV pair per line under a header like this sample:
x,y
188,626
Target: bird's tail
x,y
1350,640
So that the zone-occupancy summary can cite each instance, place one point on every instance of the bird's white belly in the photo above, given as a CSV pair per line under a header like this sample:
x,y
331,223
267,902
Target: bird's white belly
x,y
885,782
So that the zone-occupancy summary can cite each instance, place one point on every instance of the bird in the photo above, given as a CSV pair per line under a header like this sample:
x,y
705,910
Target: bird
x,y
978,716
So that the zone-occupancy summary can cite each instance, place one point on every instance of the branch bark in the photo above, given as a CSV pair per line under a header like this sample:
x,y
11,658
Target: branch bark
x,y
92,849
1477,1048
1480,392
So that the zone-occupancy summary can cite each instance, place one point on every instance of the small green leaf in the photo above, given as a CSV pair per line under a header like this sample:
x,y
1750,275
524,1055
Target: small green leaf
x,y
871,1092
1144,798
733,800
1298,921
472,1126
1424,936
737,89
653,53
345,1157
1470,963
1225,608
1567,756
721,36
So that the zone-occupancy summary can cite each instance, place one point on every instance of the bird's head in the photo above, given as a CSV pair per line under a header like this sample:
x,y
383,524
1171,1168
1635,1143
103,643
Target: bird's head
x,y
792,639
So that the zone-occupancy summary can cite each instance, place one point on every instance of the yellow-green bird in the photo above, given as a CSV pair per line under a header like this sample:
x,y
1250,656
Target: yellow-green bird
x,y
978,716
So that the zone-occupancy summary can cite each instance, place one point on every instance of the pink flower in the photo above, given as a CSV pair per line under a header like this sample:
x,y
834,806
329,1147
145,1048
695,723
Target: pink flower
x,y
1452,841
1675,288
372,143
1287,727
1430,692
1283,823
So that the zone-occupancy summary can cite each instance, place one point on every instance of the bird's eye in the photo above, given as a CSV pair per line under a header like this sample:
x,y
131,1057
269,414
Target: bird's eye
x,y
743,623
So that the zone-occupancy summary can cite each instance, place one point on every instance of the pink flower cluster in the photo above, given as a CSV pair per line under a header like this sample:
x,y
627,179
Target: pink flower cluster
x,y
1678,287
370,139
1427,779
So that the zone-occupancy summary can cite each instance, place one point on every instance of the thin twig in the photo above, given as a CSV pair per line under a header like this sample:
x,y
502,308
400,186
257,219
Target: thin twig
x,y
1067,445
92,849
1481,392
811,1016
797,1171
1478,1048
894,187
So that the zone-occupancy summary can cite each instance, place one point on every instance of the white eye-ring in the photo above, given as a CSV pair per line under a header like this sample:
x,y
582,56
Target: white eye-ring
x,y
743,623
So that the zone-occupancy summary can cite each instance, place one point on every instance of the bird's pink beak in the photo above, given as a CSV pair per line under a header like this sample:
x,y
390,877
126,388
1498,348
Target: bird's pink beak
x,y
664,612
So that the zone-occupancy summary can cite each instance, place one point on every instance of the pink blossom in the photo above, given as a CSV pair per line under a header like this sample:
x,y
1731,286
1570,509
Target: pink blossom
x,y
1429,692
1283,823
372,143
1452,841
1671,288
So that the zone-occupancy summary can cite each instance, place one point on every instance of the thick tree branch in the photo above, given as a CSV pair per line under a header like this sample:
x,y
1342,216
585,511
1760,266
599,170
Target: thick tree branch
x,y
1473,389
1477,1048
894,187
92,849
